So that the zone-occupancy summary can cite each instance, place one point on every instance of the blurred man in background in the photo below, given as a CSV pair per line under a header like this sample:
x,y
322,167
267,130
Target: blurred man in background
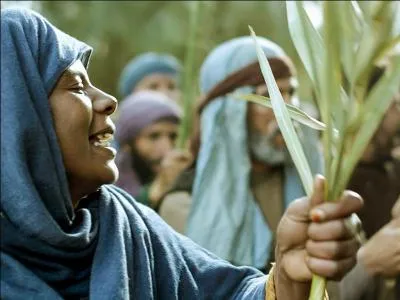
x,y
146,131
244,178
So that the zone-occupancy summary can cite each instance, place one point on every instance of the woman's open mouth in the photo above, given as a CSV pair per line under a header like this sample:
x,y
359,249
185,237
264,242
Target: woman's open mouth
x,y
103,140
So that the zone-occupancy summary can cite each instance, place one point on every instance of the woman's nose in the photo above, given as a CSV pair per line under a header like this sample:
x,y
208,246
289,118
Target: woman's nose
x,y
105,103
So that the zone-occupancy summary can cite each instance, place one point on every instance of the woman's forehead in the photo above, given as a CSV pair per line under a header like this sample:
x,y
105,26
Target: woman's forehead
x,y
74,71
76,68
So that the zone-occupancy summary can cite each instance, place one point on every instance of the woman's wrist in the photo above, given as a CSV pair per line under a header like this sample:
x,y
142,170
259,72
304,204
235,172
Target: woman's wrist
x,y
286,288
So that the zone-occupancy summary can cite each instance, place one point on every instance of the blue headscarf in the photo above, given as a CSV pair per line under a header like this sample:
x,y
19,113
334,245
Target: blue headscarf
x,y
225,217
110,247
146,64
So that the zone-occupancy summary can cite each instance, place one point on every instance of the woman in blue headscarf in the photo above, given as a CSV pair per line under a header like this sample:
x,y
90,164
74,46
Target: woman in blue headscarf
x,y
151,71
68,234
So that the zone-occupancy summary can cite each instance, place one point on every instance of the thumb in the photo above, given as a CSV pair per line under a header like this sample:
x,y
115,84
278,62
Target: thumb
x,y
317,197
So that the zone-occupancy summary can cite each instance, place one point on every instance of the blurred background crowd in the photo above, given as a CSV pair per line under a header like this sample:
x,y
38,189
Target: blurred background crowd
x,y
120,30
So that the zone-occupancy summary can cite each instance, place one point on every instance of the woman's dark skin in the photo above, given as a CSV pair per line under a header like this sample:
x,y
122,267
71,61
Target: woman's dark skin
x,y
80,111
312,237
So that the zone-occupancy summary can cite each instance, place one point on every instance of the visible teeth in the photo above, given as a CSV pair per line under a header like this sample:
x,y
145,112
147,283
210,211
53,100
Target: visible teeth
x,y
105,137
102,144
103,140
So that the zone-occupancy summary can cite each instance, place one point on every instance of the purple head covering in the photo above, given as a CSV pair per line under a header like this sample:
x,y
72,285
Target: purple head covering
x,y
142,109
137,112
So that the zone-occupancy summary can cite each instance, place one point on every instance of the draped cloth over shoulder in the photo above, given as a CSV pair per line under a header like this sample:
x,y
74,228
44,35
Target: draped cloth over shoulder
x,y
108,248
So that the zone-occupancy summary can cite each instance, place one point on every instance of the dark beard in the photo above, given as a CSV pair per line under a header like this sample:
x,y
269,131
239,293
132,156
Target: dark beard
x,y
143,168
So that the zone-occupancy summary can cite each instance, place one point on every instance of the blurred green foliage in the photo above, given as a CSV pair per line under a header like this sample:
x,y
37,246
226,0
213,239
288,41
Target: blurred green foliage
x,y
119,30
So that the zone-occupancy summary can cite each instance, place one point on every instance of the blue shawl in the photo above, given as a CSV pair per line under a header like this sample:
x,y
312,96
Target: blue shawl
x,y
224,216
110,247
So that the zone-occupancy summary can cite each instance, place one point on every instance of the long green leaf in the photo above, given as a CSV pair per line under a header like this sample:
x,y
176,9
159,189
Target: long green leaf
x,y
368,8
292,142
330,98
350,22
189,77
306,39
331,89
284,122
309,45
295,113
374,35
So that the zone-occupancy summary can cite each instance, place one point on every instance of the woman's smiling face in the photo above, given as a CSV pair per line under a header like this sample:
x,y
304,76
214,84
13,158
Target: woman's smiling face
x,y
81,115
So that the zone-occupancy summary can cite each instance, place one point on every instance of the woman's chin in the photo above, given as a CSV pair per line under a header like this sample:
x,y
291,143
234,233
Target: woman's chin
x,y
91,180
108,174
112,173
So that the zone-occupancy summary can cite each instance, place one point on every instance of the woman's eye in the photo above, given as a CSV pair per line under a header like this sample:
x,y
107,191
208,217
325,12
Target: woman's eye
x,y
79,89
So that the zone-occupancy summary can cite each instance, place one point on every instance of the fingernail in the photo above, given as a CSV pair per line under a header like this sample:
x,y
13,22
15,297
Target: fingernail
x,y
317,215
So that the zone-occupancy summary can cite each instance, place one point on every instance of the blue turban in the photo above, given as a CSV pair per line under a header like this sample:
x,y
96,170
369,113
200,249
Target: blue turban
x,y
144,65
